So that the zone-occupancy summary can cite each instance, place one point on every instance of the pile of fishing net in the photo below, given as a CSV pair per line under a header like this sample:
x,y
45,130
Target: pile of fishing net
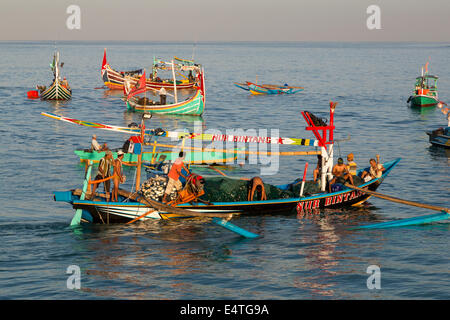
x,y
224,189
155,187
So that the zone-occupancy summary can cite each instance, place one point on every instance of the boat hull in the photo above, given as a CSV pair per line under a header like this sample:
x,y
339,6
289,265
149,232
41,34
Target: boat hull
x,y
440,139
120,212
423,101
56,92
115,80
256,89
193,106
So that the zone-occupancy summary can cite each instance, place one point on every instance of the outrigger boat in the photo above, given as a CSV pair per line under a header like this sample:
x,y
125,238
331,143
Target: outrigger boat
x,y
268,88
425,92
115,79
59,89
195,105
134,205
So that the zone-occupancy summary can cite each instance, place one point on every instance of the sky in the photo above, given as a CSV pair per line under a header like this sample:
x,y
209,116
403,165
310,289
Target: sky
x,y
229,20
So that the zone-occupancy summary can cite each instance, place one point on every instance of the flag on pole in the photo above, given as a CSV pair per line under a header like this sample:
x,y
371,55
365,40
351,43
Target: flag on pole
x,y
139,88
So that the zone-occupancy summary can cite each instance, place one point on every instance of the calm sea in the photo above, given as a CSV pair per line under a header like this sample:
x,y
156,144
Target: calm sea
x,y
295,258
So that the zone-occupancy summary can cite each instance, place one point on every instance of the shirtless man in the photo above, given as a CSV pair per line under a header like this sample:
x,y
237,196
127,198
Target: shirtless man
x,y
118,175
256,184
341,174
104,171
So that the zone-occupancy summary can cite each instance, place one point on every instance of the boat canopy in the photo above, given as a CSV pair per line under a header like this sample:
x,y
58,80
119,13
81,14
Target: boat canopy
x,y
428,76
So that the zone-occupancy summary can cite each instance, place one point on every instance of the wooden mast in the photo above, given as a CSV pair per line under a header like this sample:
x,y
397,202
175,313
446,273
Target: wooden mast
x,y
174,82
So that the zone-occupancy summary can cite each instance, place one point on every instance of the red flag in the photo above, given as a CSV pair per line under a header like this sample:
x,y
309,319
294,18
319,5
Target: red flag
x,y
139,88
104,62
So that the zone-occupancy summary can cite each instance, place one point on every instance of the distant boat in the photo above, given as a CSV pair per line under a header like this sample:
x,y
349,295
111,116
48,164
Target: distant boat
x,y
115,79
195,105
440,137
59,89
268,88
425,92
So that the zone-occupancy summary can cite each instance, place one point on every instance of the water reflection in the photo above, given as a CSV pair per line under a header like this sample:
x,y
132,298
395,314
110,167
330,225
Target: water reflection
x,y
423,112
123,257
328,249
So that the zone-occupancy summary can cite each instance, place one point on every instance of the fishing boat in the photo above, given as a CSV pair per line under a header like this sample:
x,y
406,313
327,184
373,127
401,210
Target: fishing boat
x,y
135,205
268,88
425,93
115,79
194,105
440,137
59,89
193,157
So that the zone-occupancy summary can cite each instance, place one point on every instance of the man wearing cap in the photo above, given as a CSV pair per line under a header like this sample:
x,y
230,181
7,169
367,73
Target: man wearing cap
x,y
174,176
118,174
104,171
341,174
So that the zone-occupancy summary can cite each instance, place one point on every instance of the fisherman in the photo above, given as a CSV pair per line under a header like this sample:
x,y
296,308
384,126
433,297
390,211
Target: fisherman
x,y
318,168
341,174
351,165
104,171
256,184
162,96
375,170
95,146
118,174
174,176
64,83
190,76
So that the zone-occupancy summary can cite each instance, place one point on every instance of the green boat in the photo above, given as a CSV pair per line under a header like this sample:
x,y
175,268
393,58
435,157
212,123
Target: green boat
x,y
425,92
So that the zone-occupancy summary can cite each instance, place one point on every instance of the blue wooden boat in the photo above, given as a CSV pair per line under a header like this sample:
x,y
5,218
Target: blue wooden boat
x,y
127,209
440,137
272,89
267,88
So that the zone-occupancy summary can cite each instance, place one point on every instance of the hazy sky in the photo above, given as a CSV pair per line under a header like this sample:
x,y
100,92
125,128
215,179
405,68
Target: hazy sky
x,y
226,20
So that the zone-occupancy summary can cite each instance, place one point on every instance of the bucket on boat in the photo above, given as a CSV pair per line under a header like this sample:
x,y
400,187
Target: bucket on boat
x,y
33,94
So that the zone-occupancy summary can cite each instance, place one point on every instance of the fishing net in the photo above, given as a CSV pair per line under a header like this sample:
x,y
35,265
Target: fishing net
x,y
223,189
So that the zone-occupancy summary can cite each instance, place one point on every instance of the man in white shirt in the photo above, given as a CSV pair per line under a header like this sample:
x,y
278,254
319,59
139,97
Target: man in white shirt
x,y
162,96
95,146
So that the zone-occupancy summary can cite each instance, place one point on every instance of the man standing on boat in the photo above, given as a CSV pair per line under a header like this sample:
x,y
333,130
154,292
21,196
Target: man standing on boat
x,y
104,172
174,176
162,96
341,174
351,165
375,170
118,175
